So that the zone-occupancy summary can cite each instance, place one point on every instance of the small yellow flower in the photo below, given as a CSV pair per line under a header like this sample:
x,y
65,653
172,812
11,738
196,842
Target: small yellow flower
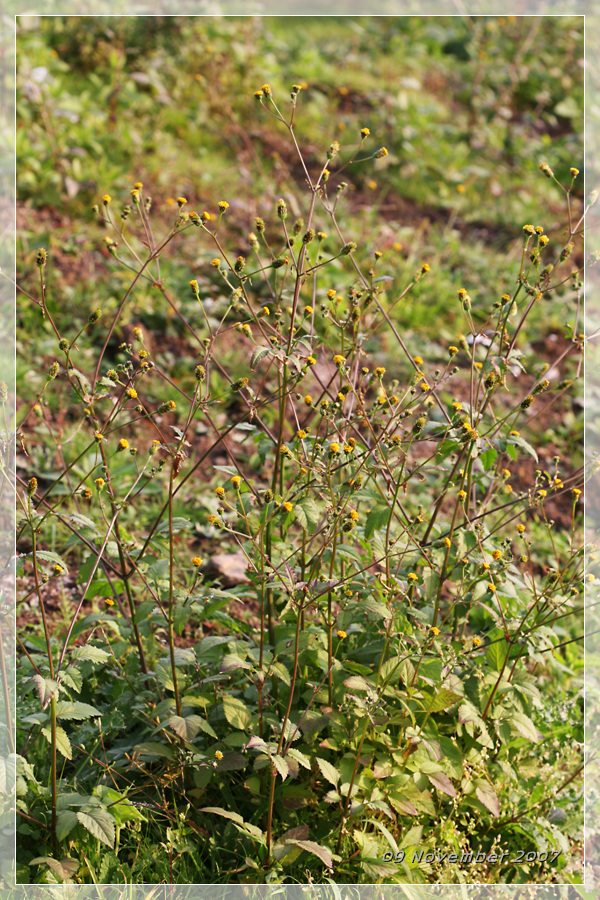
x,y
419,360
310,360
223,205
496,554
339,359
380,371
218,754
215,262
381,152
520,528
99,482
301,434
139,185
574,172
452,350
576,493
425,267
354,515
543,240
58,569
334,448
99,436
123,444
462,495
397,246
457,405
435,631
197,561
288,506
106,199
220,492
424,386
515,433
365,132
131,393
412,576
331,294
491,586
447,542
109,601
308,400
476,642
590,577
460,188
236,480
181,201
308,310
529,229
542,493
341,634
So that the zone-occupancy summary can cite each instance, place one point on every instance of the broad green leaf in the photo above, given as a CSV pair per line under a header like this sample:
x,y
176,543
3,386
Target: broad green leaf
x,y
66,821
488,458
328,771
99,823
153,749
89,653
300,757
379,609
523,724
495,653
67,709
48,556
311,511
63,745
236,712
281,765
237,819
376,519
186,727
443,700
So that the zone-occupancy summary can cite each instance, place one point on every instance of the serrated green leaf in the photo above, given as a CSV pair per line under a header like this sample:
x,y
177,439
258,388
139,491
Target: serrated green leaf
x,y
187,727
66,821
443,700
300,757
488,458
99,823
48,556
257,354
281,765
89,653
376,519
63,744
67,709
236,712
328,771
524,726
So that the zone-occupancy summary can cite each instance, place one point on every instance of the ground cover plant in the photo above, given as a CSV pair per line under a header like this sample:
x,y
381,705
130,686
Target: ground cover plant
x,y
264,316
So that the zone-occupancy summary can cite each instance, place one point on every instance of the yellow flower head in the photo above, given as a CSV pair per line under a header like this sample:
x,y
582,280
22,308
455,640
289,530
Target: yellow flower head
x,y
288,506
106,199
380,371
435,631
419,360
223,205
181,201
220,492
218,754
236,480
310,360
476,642
123,444
216,263
308,400
341,634
197,561
308,310
365,132
339,359
334,448
99,482
412,576
462,495
131,393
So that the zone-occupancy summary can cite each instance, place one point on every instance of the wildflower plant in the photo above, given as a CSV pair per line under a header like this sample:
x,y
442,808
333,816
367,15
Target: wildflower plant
x,y
404,680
